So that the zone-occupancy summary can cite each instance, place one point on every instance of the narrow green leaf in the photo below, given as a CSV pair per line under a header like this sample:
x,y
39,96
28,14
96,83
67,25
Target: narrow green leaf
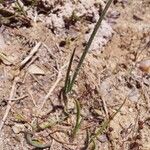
x,y
89,43
67,81
87,140
106,123
93,147
78,120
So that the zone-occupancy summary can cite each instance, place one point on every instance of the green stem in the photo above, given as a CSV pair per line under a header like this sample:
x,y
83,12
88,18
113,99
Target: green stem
x,y
78,121
89,43
20,8
67,81
107,122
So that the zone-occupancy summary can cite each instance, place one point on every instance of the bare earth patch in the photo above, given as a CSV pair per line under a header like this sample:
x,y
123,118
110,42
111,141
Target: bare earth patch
x,y
33,64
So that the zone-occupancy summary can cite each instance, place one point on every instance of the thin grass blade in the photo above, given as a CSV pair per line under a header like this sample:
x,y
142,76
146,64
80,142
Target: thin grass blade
x,y
106,123
89,42
67,81
78,120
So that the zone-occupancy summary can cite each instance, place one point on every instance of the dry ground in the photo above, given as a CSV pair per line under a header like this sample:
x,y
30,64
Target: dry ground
x,y
109,75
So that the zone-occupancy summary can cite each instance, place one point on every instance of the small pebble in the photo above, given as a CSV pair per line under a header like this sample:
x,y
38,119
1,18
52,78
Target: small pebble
x,y
103,138
130,110
144,66
17,128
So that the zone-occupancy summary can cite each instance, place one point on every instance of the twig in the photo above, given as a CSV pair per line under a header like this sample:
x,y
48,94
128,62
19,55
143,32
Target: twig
x,y
105,107
33,51
145,96
60,141
40,84
10,103
35,17
31,62
33,100
48,49
19,98
59,77
103,99
53,57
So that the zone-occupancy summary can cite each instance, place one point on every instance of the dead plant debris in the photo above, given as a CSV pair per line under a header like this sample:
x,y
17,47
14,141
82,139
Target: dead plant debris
x,y
37,38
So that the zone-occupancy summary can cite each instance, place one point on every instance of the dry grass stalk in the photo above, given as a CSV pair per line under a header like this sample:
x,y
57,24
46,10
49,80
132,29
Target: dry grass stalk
x,y
59,77
31,54
10,103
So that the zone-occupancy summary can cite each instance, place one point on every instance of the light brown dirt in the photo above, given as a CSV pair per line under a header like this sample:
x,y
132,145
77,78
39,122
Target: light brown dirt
x,y
109,75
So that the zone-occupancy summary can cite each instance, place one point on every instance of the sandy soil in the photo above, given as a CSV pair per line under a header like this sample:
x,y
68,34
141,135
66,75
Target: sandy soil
x,y
30,91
